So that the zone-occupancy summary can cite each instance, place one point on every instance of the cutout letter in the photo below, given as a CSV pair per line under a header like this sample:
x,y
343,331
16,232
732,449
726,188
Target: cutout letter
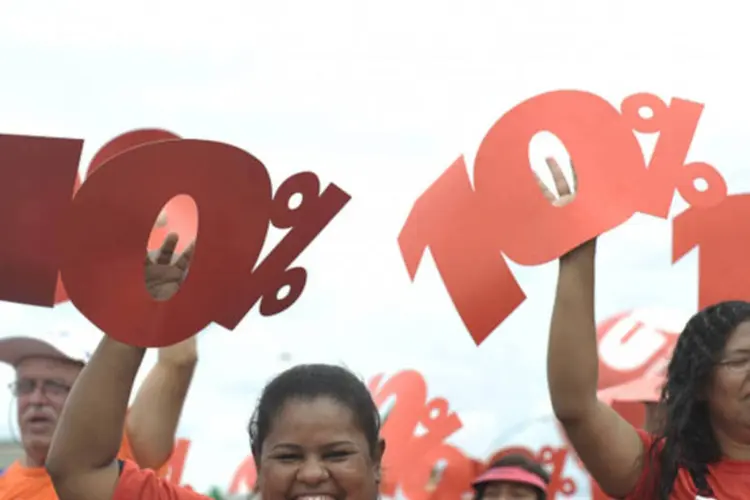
x,y
719,232
37,175
480,283
609,167
106,235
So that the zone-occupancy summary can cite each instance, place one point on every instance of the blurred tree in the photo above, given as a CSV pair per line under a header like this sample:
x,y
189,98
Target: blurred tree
x,y
215,493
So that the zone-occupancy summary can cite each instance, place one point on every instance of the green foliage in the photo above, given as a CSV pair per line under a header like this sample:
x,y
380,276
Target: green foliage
x,y
215,493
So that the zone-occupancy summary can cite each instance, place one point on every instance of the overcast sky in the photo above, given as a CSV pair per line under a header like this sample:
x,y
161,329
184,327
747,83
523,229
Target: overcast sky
x,y
378,97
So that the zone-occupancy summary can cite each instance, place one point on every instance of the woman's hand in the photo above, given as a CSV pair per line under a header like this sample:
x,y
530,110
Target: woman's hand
x,y
163,276
564,192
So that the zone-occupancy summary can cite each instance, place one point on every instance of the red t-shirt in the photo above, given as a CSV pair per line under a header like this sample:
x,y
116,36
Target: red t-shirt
x,y
143,484
729,479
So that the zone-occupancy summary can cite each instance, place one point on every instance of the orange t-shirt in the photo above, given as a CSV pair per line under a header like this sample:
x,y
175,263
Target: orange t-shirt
x,y
145,485
729,480
32,483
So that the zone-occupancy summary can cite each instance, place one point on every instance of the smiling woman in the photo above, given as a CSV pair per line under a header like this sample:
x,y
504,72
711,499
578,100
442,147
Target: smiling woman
x,y
315,435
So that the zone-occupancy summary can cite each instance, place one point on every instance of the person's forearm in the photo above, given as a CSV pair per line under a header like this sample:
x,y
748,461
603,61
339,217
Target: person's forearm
x,y
89,432
572,360
155,413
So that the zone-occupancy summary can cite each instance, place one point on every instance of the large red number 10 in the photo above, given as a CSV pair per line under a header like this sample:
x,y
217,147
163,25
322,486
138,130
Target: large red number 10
x,y
470,230
97,238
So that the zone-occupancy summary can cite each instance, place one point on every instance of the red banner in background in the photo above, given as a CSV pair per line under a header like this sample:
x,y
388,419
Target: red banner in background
x,y
177,460
244,477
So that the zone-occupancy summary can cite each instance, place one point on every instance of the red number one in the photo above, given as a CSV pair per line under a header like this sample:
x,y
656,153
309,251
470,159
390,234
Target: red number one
x,y
446,219
37,175
719,232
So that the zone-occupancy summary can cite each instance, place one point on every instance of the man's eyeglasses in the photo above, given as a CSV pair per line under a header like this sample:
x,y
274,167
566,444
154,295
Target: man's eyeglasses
x,y
24,387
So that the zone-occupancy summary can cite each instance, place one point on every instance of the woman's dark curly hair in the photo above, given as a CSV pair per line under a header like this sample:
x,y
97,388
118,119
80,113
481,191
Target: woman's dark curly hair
x,y
687,440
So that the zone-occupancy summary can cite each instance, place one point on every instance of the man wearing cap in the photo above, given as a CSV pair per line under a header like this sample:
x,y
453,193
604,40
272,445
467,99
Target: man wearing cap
x,y
46,368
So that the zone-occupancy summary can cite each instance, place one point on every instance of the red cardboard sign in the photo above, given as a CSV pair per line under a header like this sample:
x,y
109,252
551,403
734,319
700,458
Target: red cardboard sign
x,y
468,229
37,175
98,240
412,458
637,343
179,214
175,216
244,477
719,232
176,464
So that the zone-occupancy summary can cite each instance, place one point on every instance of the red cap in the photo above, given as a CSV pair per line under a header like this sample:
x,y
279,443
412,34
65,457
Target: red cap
x,y
511,475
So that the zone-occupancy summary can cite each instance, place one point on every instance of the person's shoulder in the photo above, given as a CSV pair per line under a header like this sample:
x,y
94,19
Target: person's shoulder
x,y
126,453
17,472
649,465
732,472
651,442
9,470
726,479
17,481
144,484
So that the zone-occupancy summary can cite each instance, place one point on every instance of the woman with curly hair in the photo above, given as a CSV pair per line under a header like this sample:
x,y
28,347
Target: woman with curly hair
x,y
702,447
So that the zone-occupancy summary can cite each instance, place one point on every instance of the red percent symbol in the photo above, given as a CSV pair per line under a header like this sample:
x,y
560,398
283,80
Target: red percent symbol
x,y
416,430
676,125
411,457
467,229
97,241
